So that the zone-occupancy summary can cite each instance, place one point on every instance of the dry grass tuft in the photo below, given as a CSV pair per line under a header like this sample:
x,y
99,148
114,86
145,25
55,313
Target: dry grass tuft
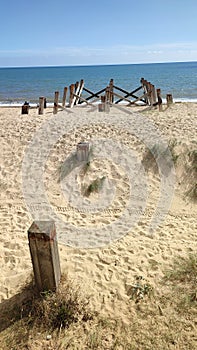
x,y
183,280
62,321
43,313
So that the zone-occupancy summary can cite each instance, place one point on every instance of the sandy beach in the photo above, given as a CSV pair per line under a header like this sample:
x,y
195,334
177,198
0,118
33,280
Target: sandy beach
x,y
105,273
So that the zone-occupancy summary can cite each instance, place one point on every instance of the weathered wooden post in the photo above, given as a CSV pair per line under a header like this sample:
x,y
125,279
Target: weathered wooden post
x,y
142,80
111,90
72,91
159,99
169,99
64,96
56,98
104,106
77,86
153,94
44,255
149,88
25,108
145,88
79,91
107,94
83,149
41,105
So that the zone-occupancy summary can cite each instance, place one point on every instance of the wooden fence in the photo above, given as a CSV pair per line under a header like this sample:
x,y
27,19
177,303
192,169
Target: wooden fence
x,y
78,93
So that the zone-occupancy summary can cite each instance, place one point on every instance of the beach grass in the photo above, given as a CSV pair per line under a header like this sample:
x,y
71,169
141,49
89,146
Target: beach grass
x,y
64,321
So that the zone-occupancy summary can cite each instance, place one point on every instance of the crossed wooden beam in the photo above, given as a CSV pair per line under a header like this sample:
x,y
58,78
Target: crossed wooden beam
x,y
106,95
110,89
97,95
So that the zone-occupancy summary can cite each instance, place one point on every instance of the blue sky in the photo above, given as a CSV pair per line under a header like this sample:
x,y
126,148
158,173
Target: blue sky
x,y
63,32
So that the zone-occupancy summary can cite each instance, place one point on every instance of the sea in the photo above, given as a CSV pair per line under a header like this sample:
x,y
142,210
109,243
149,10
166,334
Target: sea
x,y
18,85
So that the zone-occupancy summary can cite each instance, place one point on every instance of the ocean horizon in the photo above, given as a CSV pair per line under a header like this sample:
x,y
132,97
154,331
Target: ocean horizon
x,y
20,84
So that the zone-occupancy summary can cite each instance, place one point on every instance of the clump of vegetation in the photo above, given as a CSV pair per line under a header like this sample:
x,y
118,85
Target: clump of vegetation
x,y
183,270
193,157
95,186
158,152
192,191
166,321
46,312
87,165
140,289
59,310
172,144
71,163
183,278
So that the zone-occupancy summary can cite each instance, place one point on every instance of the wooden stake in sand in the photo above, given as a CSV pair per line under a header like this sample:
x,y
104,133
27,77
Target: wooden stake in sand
x,y
111,89
25,108
159,99
71,98
41,105
56,98
107,94
44,254
104,107
64,96
83,149
169,99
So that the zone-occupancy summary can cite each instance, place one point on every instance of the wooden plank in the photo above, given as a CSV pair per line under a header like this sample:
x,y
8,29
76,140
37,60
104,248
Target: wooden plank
x,y
83,99
81,86
77,87
76,91
122,98
138,99
130,102
96,94
128,93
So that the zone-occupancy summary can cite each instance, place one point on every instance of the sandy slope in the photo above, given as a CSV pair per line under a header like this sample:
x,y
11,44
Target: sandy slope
x,y
104,273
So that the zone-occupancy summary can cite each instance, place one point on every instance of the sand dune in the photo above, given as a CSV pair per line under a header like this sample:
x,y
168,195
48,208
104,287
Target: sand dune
x,y
104,270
